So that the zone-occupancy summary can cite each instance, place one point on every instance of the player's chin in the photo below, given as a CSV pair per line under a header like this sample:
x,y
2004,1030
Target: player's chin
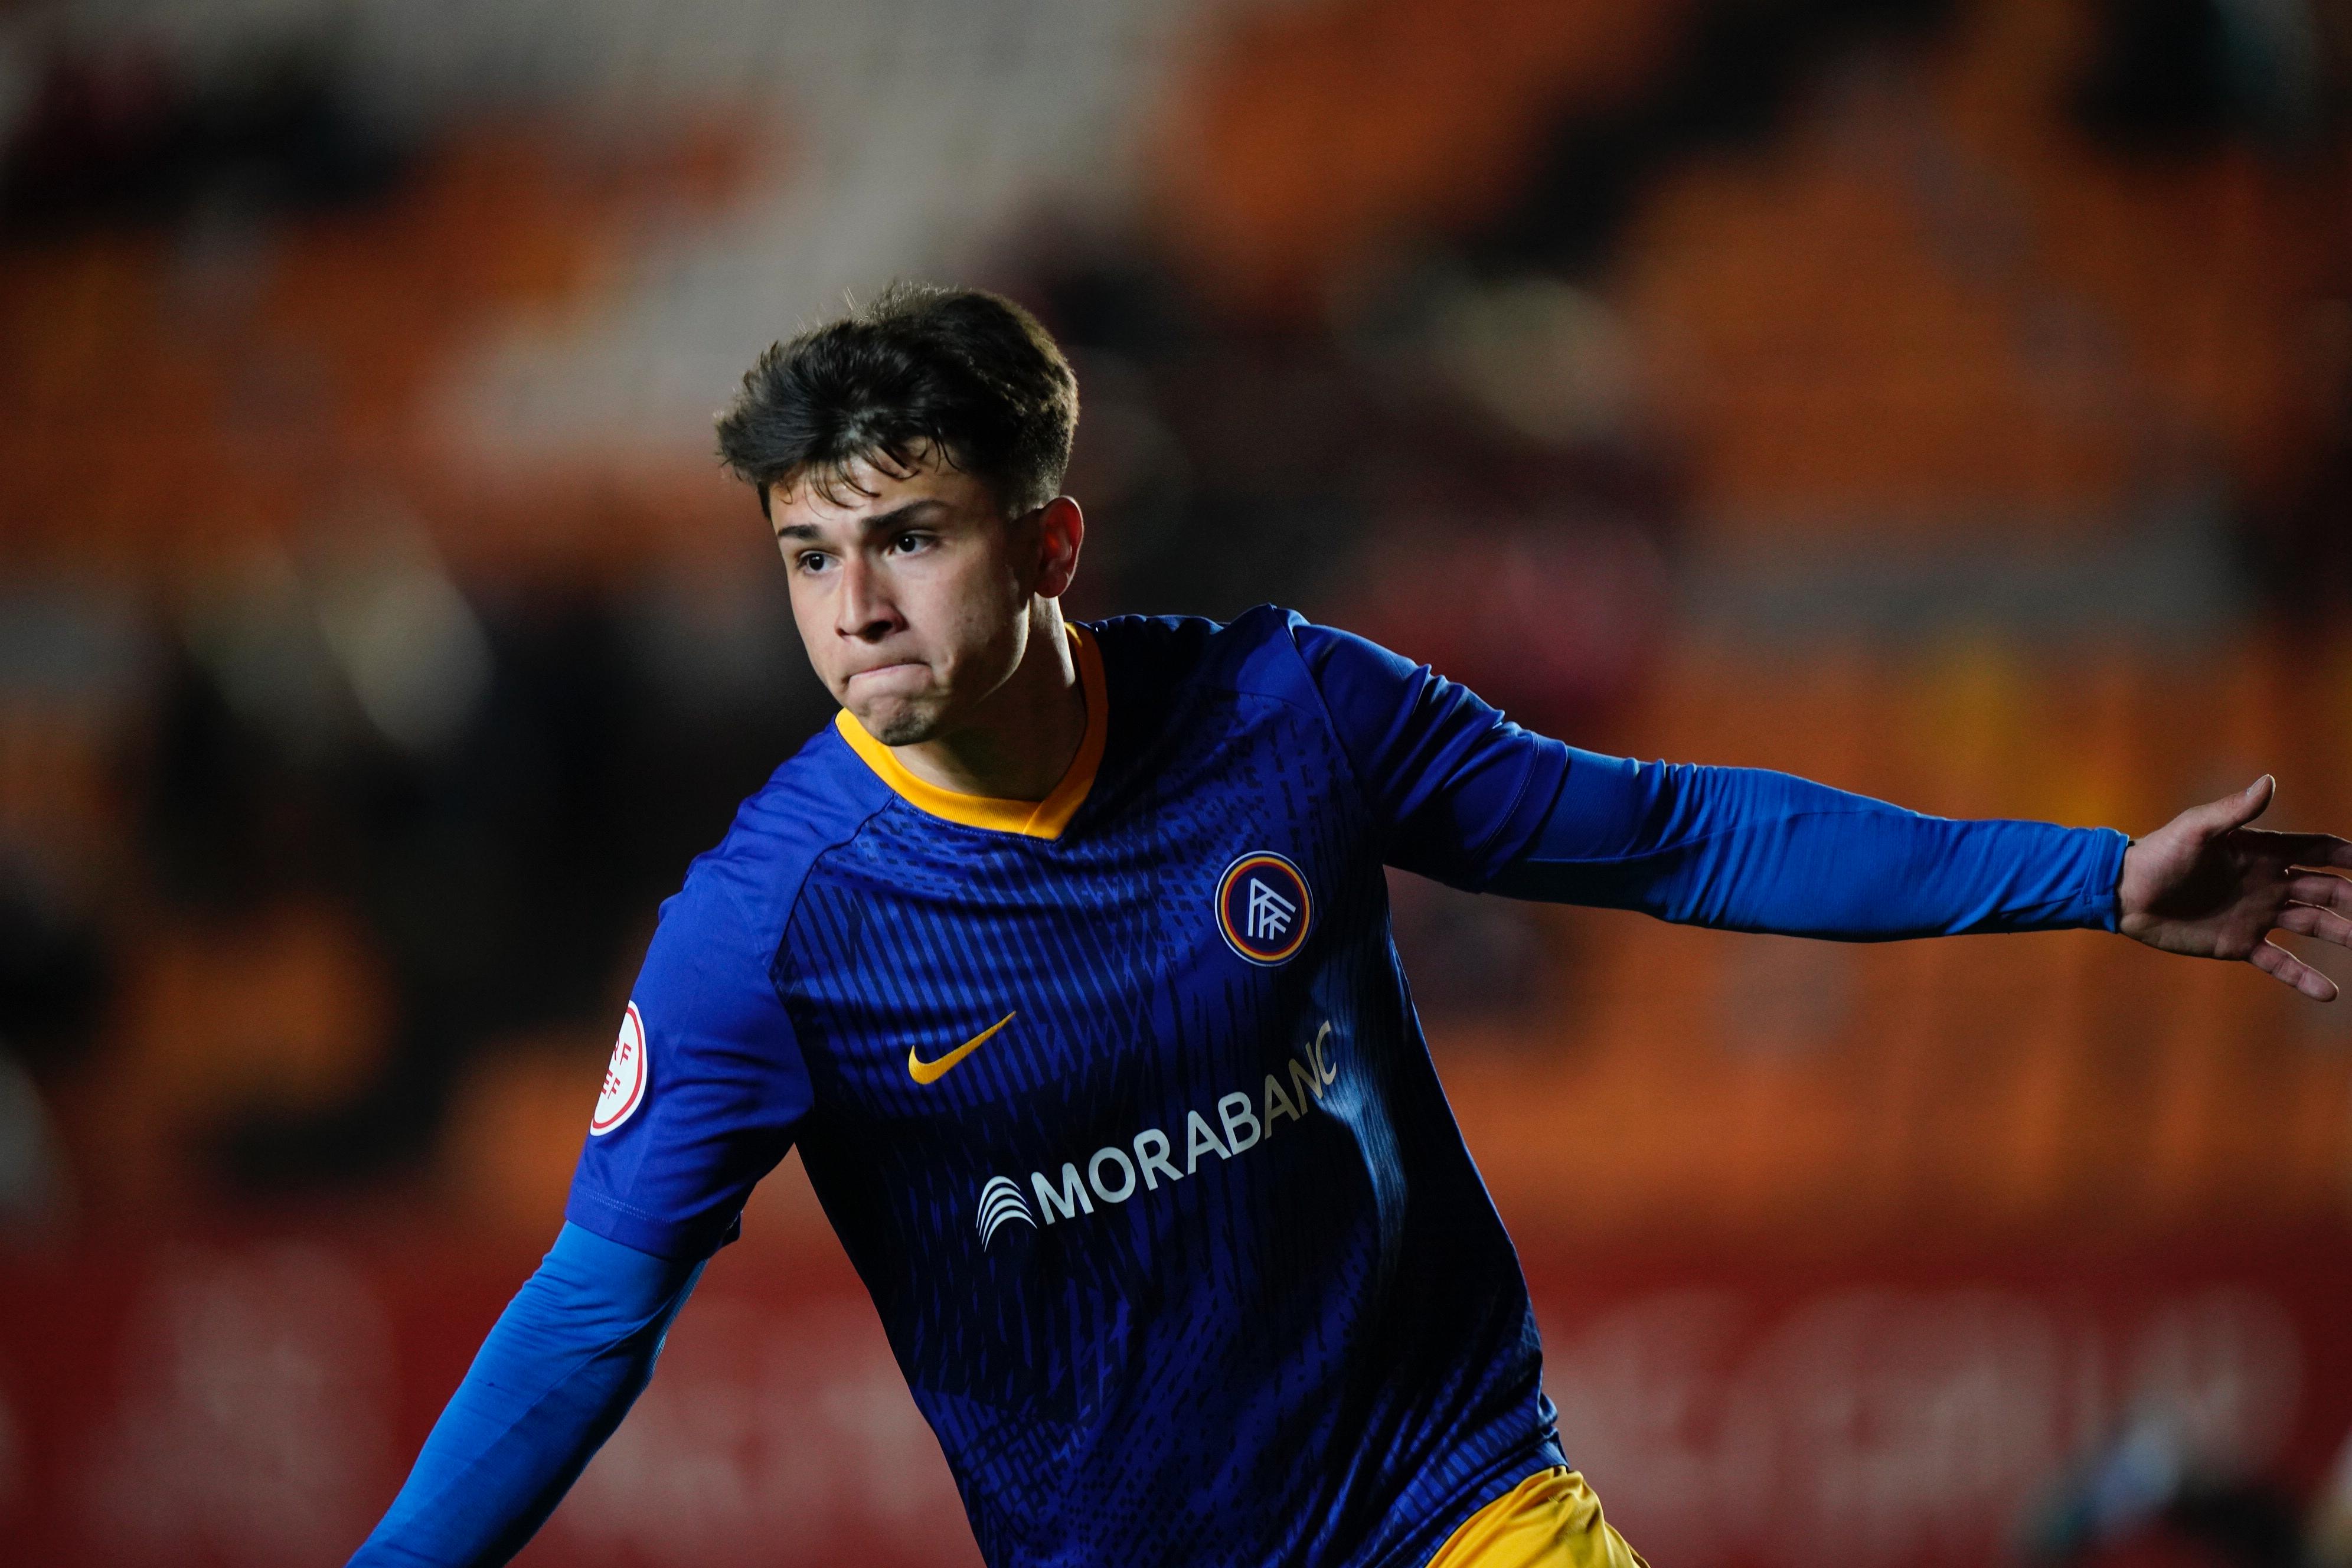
x,y
901,724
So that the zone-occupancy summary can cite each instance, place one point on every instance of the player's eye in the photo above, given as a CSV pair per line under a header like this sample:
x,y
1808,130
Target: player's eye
x,y
810,561
911,543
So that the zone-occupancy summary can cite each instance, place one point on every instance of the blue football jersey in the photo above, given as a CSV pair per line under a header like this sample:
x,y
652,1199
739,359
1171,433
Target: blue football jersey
x,y
1118,1100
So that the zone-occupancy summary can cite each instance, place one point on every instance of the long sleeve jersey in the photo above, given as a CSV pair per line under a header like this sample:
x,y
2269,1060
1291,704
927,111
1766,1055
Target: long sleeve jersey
x,y
1120,1105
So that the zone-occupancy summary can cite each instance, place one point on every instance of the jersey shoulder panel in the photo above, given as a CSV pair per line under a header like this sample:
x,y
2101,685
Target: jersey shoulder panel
x,y
1154,657
1455,787
816,801
1180,683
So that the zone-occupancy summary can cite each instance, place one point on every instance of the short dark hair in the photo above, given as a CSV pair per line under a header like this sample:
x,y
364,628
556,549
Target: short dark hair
x,y
968,374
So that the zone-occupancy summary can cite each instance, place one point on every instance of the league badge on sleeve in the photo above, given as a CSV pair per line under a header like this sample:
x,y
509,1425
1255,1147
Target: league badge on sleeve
x,y
1263,907
624,1076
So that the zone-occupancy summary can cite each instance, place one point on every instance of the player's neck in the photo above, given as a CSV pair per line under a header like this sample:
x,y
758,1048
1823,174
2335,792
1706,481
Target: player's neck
x,y
1022,739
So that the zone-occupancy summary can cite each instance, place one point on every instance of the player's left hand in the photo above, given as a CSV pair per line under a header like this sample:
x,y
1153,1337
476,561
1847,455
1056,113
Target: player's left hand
x,y
2207,885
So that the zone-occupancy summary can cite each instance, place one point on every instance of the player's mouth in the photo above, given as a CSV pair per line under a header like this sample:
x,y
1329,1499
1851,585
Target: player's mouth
x,y
889,673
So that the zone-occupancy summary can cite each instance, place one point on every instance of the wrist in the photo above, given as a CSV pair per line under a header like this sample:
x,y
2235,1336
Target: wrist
x,y
2108,898
2131,899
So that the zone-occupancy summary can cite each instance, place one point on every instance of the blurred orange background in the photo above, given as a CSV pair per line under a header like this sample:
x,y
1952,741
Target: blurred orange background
x,y
1945,399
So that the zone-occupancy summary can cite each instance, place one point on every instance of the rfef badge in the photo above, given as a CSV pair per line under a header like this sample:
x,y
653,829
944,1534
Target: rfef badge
x,y
624,1076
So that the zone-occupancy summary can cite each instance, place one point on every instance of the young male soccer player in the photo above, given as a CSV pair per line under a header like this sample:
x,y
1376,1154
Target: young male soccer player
x,y
1063,955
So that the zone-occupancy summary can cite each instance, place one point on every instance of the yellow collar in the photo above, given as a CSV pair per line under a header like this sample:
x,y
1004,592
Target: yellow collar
x,y
1037,818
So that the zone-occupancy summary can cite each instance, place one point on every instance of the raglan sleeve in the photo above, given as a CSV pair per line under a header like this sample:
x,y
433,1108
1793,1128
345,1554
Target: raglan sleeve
x,y
1456,789
706,1085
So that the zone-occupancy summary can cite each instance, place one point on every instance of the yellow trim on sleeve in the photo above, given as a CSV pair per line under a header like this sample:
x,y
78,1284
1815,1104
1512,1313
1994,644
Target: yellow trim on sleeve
x,y
1037,818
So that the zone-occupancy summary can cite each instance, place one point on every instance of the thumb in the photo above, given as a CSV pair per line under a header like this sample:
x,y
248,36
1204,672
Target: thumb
x,y
2237,810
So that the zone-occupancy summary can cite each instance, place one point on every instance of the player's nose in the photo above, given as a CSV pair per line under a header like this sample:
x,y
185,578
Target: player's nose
x,y
864,609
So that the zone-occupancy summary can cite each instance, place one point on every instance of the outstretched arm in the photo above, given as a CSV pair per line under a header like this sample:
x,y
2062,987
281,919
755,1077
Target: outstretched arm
x,y
1465,797
1762,851
1749,850
566,1358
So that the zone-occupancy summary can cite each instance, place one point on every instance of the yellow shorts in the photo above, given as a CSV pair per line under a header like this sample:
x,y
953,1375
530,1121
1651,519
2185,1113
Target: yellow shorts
x,y
1552,1519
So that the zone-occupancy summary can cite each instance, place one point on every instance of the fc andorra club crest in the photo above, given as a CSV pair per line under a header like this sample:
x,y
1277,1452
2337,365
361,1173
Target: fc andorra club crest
x,y
1263,907
624,1076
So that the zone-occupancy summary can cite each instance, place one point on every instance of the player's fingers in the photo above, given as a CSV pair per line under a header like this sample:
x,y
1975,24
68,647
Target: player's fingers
x,y
2305,921
2287,969
2316,850
2233,810
2320,892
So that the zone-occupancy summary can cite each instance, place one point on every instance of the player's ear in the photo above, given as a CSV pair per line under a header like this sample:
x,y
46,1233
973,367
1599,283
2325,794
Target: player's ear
x,y
1061,530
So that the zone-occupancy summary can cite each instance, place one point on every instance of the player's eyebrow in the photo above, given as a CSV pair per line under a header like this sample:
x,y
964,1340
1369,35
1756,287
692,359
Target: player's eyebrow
x,y
878,523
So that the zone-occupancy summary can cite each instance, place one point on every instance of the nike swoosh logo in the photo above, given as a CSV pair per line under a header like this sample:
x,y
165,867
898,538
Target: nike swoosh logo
x,y
922,1071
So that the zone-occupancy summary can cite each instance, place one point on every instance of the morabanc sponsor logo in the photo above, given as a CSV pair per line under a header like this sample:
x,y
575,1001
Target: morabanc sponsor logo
x,y
1000,1204
1118,1172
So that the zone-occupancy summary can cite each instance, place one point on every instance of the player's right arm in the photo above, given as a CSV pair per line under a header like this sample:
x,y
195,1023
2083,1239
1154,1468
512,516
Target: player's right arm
x,y
706,1107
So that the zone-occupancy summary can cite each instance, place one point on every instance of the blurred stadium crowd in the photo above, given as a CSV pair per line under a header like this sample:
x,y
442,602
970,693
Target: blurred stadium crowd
x,y
1947,399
